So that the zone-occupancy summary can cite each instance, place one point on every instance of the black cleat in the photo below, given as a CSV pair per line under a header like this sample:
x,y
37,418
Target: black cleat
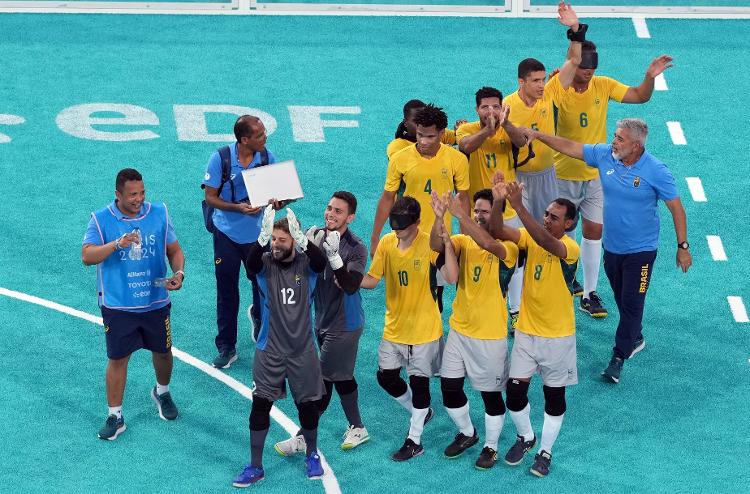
x,y
460,444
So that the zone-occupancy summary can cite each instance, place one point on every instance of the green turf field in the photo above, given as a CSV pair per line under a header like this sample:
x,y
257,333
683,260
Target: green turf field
x,y
677,422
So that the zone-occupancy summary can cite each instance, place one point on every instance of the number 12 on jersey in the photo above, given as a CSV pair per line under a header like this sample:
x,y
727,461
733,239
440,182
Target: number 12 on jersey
x,y
287,296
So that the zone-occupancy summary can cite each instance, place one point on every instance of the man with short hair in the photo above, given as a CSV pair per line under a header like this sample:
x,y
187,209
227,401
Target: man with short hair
x,y
582,117
236,226
285,351
128,241
413,330
545,341
492,144
633,181
532,106
339,317
406,133
477,344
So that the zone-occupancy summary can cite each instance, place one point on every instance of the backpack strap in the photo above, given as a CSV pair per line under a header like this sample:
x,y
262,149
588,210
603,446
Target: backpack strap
x,y
263,157
515,151
226,168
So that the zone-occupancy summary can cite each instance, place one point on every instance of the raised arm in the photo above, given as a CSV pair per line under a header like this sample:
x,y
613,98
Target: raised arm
x,y
497,229
436,233
568,17
540,234
471,228
684,258
642,93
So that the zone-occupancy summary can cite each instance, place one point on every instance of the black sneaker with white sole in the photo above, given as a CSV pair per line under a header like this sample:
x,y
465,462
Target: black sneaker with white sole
x,y
408,451
593,306
515,454
460,444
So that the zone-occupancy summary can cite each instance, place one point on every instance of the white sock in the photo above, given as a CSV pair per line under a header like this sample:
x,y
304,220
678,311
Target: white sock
x,y
462,419
493,426
416,425
550,430
116,411
591,254
522,422
514,290
405,400
161,389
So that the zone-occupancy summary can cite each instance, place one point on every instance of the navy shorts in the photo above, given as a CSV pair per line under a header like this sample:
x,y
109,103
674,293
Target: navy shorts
x,y
126,332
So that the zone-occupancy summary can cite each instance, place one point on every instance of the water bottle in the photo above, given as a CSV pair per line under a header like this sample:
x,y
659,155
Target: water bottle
x,y
136,249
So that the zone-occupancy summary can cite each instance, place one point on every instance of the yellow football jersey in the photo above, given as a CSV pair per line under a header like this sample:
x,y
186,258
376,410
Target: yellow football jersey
x,y
538,117
582,117
479,309
495,154
546,299
411,312
447,171
396,145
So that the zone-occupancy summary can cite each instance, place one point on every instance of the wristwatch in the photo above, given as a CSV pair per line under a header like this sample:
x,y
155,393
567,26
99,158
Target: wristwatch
x,y
179,271
683,245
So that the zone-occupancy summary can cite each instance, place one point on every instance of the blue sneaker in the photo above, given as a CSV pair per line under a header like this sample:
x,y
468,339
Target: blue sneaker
x,y
314,468
112,428
249,476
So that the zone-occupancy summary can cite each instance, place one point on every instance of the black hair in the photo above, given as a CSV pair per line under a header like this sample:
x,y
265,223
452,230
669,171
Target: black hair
x,y
529,65
412,104
243,126
570,208
432,115
588,46
125,175
348,198
282,224
485,194
406,205
488,92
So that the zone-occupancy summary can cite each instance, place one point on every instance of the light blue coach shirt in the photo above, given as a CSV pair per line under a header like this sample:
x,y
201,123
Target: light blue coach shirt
x,y
631,194
240,228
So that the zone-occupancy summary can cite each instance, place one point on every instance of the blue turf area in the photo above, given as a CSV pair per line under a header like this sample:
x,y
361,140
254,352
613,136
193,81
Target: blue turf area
x,y
676,423
649,3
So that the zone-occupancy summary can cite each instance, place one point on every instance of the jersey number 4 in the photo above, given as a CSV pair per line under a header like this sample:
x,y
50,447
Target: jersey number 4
x,y
287,296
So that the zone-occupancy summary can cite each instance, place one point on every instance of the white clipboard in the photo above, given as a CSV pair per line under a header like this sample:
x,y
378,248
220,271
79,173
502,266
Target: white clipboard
x,y
277,181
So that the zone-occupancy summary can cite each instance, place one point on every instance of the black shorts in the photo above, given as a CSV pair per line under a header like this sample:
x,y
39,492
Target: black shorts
x,y
126,332
271,371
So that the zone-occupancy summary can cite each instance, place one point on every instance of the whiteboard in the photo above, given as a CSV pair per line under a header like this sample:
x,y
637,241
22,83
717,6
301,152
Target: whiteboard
x,y
277,181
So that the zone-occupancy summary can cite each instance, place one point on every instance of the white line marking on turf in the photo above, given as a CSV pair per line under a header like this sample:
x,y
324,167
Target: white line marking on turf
x,y
717,248
641,29
696,189
660,83
330,483
738,309
675,131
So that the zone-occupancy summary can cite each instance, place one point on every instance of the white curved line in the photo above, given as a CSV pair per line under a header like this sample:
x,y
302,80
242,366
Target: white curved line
x,y
330,483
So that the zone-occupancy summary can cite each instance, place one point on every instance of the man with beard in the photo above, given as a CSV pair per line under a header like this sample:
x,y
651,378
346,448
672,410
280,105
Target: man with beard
x,y
633,182
339,317
477,344
285,350
545,341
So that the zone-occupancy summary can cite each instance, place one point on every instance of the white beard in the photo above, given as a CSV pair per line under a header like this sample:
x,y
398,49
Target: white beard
x,y
616,156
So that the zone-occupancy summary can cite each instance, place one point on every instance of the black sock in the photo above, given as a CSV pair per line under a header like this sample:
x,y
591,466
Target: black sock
x,y
311,440
257,441
349,402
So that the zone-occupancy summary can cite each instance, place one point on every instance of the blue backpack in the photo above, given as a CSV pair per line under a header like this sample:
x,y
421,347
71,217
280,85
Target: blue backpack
x,y
226,170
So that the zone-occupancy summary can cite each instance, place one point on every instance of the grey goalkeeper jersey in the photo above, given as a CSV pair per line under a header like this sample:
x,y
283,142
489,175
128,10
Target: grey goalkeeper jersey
x,y
286,298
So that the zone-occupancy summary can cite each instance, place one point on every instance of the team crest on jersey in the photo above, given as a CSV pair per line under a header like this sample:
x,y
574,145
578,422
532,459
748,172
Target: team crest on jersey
x,y
637,182
298,279
417,264
444,172
597,101
544,112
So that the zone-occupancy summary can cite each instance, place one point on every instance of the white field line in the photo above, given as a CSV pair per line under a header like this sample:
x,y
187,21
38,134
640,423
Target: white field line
x,y
696,189
716,247
641,29
738,309
675,131
330,483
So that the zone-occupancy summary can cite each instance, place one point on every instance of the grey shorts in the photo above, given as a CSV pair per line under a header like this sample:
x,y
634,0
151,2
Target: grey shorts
x,y
419,360
338,354
271,371
552,358
484,362
587,196
540,189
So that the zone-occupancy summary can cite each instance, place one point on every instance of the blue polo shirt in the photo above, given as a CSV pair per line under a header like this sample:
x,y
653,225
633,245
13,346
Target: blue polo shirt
x,y
240,228
631,194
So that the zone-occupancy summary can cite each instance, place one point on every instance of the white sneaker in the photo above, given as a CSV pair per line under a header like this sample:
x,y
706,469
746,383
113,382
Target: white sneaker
x,y
354,436
292,446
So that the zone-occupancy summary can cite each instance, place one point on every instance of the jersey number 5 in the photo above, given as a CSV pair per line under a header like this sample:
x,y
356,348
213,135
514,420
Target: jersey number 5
x,y
287,296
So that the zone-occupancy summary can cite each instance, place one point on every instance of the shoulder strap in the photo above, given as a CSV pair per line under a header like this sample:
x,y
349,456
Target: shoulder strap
x,y
226,168
515,151
263,157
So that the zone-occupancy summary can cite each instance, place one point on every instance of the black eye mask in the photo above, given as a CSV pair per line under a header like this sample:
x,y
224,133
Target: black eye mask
x,y
589,60
401,221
